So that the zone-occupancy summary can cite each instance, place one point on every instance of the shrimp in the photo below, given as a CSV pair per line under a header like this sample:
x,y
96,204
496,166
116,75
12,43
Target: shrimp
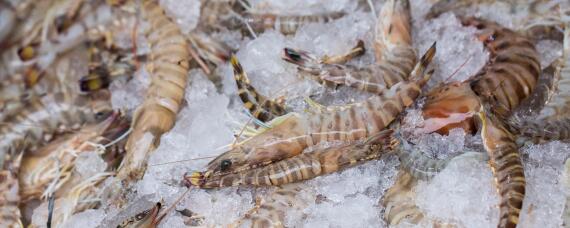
x,y
506,165
304,166
170,62
506,81
259,106
395,56
54,162
294,132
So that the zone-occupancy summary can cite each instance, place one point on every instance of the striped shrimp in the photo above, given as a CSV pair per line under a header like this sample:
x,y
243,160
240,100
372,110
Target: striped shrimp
x,y
294,132
50,168
304,166
395,56
506,164
169,70
507,80
270,211
261,107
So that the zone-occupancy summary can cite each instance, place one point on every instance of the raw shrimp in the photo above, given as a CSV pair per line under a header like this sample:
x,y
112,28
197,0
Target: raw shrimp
x,y
169,70
303,166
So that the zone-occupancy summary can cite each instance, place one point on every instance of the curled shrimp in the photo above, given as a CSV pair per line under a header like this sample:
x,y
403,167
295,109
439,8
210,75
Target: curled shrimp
x,y
261,107
292,133
170,62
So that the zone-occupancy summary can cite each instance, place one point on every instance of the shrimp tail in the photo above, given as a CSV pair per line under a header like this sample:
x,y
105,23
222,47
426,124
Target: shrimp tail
x,y
259,106
418,74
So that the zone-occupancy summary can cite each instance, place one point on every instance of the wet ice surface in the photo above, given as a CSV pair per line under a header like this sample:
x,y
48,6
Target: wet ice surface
x,y
462,194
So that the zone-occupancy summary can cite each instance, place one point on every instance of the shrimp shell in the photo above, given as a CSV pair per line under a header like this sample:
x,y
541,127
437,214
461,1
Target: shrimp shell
x,y
170,63
513,69
294,132
506,164
304,166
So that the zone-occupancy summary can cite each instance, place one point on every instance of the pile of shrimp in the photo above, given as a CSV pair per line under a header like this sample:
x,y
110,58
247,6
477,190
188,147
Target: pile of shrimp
x,y
223,129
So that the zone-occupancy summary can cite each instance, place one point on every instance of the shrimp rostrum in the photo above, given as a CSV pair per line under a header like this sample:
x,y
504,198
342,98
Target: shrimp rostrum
x,y
292,133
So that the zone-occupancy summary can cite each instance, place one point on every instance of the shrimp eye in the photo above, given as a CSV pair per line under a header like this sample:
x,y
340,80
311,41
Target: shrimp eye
x,y
225,165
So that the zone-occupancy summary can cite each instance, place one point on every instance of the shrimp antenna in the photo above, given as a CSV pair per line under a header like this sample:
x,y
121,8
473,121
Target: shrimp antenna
x,y
184,160
457,70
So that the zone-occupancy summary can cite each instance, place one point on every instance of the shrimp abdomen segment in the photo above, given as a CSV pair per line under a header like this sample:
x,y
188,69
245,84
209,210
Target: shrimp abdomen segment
x,y
514,67
507,168
169,69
